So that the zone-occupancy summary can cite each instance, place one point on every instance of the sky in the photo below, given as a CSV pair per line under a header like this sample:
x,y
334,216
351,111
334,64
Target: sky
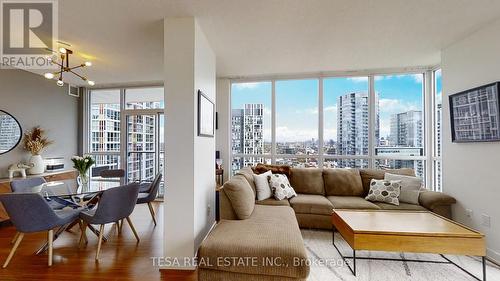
x,y
297,102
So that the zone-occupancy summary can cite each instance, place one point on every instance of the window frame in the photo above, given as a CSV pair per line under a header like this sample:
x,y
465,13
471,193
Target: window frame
x,y
428,104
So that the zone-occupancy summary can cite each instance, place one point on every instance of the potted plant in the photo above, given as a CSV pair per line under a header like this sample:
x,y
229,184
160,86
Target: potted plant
x,y
82,165
35,142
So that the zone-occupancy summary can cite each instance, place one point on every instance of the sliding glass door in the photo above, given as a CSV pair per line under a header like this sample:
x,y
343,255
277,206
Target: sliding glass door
x,y
144,153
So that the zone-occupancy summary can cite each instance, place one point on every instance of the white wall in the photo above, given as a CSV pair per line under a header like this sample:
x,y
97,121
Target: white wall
x,y
190,162
204,147
35,101
471,171
223,143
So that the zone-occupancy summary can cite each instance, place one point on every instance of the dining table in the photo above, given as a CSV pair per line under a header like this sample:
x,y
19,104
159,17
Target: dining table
x,y
76,194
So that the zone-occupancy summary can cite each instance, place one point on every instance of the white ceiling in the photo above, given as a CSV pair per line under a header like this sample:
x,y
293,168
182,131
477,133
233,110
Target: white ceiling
x,y
124,38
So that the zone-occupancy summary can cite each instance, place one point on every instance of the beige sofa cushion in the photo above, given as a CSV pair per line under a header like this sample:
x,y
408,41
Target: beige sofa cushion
x,y
352,202
368,174
273,202
311,204
343,182
240,195
271,233
402,206
248,174
307,181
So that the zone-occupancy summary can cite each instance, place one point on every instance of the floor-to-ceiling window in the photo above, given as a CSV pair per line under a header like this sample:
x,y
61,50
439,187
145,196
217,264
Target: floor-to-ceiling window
x,y
297,129
345,122
126,131
401,128
371,121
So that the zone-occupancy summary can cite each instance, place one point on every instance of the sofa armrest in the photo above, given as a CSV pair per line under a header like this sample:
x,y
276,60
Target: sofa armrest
x,y
432,199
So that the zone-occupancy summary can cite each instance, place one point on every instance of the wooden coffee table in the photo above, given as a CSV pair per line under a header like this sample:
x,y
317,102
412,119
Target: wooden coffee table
x,y
406,231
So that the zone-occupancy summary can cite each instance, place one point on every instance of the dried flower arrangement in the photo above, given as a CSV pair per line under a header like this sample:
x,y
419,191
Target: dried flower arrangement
x,y
35,141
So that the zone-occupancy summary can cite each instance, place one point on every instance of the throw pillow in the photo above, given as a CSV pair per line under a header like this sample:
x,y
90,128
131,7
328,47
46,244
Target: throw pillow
x,y
384,191
275,169
410,187
281,187
262,186
241,196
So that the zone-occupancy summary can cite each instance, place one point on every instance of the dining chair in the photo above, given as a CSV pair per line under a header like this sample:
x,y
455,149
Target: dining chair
x,y
112,173
145,186
150,196
29,212
27,185
115,204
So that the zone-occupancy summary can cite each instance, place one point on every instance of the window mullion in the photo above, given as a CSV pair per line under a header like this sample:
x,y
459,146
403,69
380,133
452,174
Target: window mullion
x,y
372,121
273,122
320,124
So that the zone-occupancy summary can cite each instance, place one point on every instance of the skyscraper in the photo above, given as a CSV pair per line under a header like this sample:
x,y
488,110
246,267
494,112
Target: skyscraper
x,y
352,127
141,140
247,134
406,131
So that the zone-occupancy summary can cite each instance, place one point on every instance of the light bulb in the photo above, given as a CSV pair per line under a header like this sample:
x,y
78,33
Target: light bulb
x,y
62,50
49,75
60,83
88,63
91,83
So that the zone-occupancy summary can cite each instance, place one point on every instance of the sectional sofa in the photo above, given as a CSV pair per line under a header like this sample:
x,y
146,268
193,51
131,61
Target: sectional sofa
x,y
261,240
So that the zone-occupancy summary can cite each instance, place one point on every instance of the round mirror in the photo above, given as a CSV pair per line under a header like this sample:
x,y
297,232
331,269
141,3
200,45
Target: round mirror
x,y
10,132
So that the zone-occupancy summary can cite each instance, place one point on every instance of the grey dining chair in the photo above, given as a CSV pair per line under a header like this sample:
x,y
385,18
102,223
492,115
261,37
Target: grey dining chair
x,y
114,205
150,196
27,185
29,212
112,173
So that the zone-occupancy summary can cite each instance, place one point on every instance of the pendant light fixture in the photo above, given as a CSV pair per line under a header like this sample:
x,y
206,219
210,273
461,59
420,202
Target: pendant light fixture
x,y
64,67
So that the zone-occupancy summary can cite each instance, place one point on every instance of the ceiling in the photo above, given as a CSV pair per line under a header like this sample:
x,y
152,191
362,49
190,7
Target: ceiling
x,y
124,38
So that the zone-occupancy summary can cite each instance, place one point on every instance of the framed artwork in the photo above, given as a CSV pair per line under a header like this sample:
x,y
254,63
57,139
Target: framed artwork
x,y
206,116
475,115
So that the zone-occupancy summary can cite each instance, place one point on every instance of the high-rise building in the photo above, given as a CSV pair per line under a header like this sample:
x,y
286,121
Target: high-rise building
x,y
141,140
247,134
407,131
352,127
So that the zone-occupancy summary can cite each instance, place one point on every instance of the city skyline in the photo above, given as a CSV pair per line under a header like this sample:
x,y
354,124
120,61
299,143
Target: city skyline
x,y
397,93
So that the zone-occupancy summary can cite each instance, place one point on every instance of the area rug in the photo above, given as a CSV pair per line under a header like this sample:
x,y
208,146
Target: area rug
x,y
326,263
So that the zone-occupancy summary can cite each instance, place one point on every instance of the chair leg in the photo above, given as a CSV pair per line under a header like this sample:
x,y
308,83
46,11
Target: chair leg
x,y
152,211
83,236
50,239
133,229
99,243
14,248
15,238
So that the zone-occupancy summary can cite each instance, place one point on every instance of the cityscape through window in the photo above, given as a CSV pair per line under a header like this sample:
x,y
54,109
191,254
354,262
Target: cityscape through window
x,y
335,122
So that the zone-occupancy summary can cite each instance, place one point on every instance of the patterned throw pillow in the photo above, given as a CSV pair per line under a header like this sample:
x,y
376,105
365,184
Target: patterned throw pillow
x,y
281,187
384,191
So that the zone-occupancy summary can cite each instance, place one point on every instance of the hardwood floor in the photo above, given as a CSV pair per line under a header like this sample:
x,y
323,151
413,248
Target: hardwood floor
x,y
121,257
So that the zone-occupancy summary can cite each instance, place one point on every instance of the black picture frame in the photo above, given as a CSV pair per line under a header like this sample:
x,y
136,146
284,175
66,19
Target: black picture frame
x,y
20,130
206,116
454,120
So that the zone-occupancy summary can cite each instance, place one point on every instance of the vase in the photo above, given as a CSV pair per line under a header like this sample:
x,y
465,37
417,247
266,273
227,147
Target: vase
x,y
83,178
38,165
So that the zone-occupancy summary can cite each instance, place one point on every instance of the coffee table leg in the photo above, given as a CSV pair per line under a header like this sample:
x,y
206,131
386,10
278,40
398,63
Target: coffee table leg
x,y
484,268
354,261
333,235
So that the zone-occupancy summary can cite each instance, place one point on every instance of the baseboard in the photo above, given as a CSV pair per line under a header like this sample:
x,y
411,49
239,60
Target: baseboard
x,y
187,268
493,256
